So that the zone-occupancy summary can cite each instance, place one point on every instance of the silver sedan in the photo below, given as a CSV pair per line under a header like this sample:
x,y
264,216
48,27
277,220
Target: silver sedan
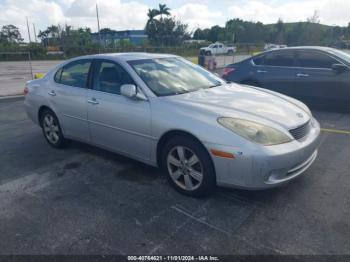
x,y
167,112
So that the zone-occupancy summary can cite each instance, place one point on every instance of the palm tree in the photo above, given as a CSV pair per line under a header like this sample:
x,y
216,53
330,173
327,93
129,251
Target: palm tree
x,y
152,13
163,10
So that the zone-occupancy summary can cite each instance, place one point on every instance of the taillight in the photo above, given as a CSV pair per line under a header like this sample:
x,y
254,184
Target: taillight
x,y
26,90
228,70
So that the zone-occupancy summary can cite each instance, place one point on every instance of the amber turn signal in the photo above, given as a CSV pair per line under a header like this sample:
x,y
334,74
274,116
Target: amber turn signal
x,y
222,154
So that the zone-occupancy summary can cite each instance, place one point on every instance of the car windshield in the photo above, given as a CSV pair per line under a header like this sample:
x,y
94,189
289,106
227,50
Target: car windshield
x,y
172,76
341,54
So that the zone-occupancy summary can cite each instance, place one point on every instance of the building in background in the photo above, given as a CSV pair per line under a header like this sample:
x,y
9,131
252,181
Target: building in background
x,y
113,38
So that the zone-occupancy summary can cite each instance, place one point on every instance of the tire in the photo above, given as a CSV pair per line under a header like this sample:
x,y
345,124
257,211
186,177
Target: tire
x,y
208,53
230,52
195,174
52,130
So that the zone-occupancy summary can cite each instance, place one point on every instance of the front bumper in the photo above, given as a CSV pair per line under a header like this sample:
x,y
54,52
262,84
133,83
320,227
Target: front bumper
x,y
263,167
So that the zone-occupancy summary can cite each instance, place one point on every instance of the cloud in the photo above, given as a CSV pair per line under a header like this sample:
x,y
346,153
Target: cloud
x,y
78,13
198,15
330,11
113,14
38,11
132,14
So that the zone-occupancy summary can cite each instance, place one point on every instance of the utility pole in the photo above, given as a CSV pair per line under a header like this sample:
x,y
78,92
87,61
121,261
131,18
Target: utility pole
x,y
30,40
29,56
34,32
197,44
98,27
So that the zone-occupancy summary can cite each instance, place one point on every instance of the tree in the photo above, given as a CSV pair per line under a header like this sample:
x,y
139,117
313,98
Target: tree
x,y
315,18
166,30
50,36
200,34
10,34
280,32
163,10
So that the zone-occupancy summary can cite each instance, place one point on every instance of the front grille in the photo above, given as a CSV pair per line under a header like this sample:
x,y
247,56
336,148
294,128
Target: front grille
x,y
301,131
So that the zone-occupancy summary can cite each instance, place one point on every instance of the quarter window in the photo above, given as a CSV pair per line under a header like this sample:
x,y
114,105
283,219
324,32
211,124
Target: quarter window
x,y
315,60
75,73
109,77
258,60
279,59
57,77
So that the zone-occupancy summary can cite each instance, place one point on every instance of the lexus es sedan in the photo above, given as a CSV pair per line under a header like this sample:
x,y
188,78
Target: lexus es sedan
x,y
318,76
167,112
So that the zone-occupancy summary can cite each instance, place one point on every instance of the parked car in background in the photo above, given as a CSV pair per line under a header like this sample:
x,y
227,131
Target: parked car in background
x,y
167,112
273,46
318,76
218,49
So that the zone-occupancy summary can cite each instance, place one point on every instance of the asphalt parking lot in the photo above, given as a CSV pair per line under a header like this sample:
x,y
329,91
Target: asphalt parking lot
x,y
84,200
13,75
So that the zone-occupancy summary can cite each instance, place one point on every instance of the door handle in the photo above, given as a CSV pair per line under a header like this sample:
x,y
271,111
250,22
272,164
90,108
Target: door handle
x,y
52,93
93,101
302,75
261,71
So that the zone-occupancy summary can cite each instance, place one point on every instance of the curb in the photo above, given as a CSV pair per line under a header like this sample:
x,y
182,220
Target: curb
x,y
11,98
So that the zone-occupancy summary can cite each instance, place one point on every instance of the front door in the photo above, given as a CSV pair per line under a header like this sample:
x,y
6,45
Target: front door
x,y
117,122
317,84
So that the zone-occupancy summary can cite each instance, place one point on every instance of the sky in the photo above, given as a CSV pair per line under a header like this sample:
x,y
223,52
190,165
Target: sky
x,y
132,14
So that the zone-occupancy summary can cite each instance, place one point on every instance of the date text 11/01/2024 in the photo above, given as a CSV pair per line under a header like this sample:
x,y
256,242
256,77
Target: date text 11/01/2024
x,y
173,258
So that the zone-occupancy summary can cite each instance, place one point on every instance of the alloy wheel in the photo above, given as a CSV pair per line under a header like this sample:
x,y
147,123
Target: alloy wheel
x,y
51,129
185,168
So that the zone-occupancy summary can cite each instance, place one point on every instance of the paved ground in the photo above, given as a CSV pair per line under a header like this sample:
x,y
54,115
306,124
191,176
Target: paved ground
x,y
14,75
83,200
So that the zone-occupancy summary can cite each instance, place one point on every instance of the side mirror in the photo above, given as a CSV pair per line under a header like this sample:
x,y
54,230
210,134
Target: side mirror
x,y
131,91
339,68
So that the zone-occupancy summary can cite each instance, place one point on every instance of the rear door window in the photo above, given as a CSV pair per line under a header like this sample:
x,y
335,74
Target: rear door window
x,y
283,59
75,73
312,59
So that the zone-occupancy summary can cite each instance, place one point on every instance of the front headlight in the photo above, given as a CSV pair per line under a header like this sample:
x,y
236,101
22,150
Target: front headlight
x,y
254,132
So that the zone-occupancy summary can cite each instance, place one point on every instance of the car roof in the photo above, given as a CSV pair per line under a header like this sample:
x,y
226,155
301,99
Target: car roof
x,y
127,56
319,48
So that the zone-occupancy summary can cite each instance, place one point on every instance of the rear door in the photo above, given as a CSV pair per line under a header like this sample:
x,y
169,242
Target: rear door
x,y
318,84
277,71
68,97
115,121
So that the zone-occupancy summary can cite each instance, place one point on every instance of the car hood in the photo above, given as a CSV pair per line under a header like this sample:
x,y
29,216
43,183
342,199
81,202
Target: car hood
x,y
233,100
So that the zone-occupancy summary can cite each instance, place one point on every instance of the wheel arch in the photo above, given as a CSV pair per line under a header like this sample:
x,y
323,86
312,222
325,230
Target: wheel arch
x,y
41,110
171,134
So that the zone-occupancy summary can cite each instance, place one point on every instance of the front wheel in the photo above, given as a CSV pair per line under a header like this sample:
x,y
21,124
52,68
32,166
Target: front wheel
x,y
188,167
52,130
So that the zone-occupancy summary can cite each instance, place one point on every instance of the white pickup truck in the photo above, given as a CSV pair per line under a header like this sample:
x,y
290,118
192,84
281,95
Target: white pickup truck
x,y
218,49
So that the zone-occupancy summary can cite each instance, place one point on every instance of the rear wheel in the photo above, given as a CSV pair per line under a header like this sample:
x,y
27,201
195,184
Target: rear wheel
x,y
188,166
230,52
51,129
